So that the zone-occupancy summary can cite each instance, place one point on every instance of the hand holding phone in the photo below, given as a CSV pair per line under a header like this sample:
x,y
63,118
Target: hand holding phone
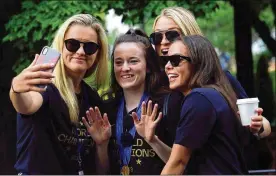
x,y
48,56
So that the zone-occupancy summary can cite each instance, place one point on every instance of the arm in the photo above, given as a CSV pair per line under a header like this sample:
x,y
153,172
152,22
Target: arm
x,y
102,159
24,93
267,128
178,160
100,130
146,128
161,149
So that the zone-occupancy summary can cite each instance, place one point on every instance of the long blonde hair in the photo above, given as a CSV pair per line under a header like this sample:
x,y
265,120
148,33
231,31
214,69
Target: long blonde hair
x,y
183,18
100,66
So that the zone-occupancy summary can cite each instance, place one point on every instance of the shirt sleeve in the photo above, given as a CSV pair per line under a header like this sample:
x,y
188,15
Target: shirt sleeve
x,y
196,122
236,85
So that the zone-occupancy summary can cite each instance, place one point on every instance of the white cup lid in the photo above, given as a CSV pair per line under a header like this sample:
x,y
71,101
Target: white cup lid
x,y
247,100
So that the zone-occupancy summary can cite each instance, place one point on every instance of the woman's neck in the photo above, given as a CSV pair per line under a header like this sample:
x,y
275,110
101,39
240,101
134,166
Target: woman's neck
x,y
76,80
132,98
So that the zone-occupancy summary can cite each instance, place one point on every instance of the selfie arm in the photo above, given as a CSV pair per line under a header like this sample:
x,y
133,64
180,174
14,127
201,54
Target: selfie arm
x,y
26,103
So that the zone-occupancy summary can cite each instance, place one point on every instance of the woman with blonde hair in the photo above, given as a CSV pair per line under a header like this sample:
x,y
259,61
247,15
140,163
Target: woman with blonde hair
x,y
51,138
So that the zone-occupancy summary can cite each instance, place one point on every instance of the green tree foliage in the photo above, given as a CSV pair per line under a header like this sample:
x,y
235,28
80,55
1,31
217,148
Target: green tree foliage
x,y
218,27
144,11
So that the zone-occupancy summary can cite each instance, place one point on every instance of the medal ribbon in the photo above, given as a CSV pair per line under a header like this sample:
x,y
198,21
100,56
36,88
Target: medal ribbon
x,y
125,152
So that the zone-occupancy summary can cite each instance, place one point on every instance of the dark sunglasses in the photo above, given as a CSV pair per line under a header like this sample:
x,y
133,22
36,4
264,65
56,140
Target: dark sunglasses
x,y
73,45
174,60
157,37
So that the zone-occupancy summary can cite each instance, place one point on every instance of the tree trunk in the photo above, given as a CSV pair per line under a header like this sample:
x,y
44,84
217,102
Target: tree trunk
x,y
264,32
243,41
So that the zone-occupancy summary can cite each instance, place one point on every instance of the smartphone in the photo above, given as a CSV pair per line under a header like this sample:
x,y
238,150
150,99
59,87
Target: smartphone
x,y
47,56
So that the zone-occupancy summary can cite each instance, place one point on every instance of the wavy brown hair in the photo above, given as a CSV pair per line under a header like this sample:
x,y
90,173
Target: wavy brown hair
x,y
207,70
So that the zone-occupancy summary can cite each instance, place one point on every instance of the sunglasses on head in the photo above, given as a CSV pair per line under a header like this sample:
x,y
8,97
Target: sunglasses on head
x,y
174,60
157,37
73,45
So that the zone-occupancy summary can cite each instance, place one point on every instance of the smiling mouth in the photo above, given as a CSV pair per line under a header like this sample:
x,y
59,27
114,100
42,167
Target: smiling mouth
x,y
164,52
172,77
127,76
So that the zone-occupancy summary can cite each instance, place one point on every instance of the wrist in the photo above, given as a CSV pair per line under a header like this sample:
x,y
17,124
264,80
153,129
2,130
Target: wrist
x,y
103,144
12,88
258,134
152,140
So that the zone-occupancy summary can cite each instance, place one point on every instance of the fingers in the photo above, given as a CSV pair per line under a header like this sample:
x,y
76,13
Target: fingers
x,y
89,114
40,67
256,124
158,118
39,81
144,109
257,118
105,120
35,88
98,116
85,123
149,108
39,74
259,111
35,59
154,112
135,118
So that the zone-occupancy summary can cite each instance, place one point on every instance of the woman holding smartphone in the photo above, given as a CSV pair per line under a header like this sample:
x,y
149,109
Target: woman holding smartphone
x,y
51,138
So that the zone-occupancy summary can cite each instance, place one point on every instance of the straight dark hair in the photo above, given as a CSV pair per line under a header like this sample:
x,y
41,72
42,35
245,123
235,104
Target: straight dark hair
x,y
207,69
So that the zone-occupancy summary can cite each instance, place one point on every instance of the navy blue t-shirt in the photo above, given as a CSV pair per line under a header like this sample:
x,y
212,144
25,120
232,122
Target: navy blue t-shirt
x,y
209,127
143,159
236,85
47,141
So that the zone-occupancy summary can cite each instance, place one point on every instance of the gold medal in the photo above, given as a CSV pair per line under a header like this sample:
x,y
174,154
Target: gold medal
x,y
125,170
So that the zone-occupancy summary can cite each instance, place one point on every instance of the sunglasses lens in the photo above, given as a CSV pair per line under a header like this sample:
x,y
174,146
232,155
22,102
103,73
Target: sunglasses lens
x,y
164,60
172,35
175,60
72,45
156,38
90,48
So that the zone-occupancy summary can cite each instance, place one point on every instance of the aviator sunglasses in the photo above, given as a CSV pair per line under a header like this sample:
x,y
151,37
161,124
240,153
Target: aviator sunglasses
x,y
73,45
174,60
157,37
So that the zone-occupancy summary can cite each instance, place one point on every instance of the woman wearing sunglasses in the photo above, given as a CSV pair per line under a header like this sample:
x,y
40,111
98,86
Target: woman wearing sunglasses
x,y
176,21
208,134
51,138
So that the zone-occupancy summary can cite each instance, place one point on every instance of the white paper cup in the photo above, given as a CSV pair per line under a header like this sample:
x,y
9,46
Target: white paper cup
x,y
247,107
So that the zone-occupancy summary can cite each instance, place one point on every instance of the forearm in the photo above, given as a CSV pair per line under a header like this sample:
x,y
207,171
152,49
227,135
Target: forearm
x,y
160,148
102,160
22,102
178,160
267,128
173,167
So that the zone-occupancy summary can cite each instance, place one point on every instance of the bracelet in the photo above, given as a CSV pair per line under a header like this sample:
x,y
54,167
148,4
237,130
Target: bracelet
x,y
13,89
261,130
